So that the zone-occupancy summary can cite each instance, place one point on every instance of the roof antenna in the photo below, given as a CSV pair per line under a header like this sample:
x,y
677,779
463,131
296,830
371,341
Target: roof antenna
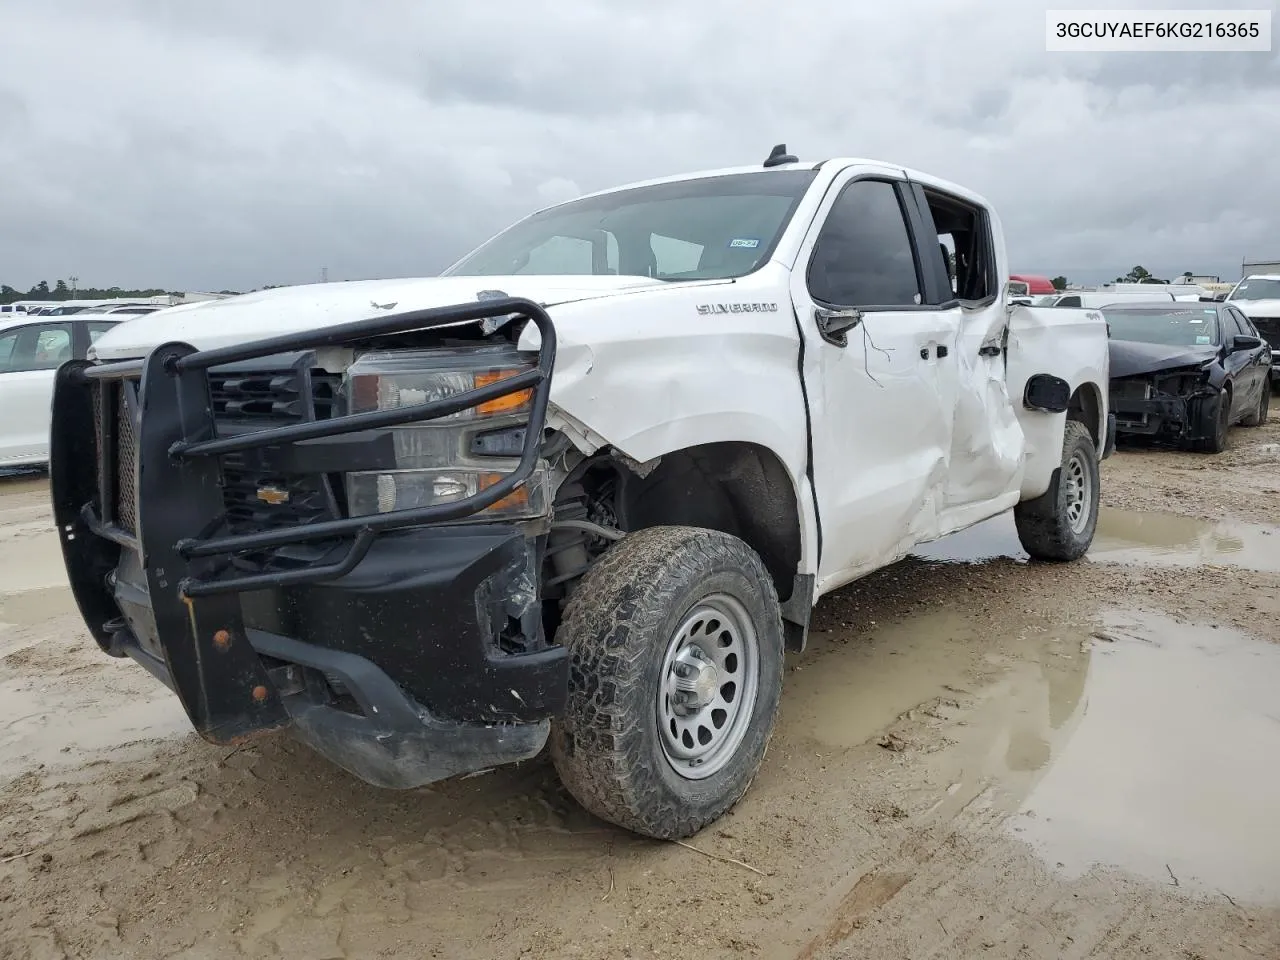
x,y
779,156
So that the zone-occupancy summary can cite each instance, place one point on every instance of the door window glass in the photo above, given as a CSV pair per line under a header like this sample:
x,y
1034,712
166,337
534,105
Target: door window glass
x,y
864,256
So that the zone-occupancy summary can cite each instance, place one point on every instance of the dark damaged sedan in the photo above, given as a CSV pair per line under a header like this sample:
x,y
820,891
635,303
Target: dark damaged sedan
x,y
1186,372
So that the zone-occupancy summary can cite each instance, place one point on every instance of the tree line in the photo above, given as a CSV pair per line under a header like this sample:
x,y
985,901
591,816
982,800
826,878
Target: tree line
x,y
61,291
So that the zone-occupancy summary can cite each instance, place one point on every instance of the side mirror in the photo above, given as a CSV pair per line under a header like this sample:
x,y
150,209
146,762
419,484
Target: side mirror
x,y
834,325
1241,343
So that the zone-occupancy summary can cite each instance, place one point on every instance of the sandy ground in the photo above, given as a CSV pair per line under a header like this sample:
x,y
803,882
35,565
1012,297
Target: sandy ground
x,y
977,757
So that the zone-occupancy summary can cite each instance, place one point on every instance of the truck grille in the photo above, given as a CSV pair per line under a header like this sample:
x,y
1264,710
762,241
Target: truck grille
x,y
1269,327
126,466
255,499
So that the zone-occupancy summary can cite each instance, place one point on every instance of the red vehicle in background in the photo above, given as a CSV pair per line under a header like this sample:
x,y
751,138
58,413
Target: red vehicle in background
x,y
1035,285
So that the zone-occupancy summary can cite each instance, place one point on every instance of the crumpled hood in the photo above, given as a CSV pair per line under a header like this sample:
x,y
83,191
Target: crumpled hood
x,y
1132,357
1265,309
267,313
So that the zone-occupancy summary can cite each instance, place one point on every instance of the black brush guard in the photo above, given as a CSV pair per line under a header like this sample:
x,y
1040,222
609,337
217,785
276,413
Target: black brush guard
x,y
179,516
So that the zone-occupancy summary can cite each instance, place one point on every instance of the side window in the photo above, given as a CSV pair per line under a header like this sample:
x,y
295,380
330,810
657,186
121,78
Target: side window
x,y
1068,301
863,256
8,347
36,348
97,329
559,255
1243,322
674,256
52,348
1228,324
964,239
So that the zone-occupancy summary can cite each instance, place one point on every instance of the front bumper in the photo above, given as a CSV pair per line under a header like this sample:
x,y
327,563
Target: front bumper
x,y
402,649
1178,418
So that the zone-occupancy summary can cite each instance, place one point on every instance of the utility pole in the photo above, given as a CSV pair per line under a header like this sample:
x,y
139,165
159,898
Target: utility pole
x,y
74,281
324,274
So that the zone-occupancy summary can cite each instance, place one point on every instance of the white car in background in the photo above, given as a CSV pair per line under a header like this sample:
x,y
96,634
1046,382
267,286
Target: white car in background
x,y
1258,297
1096,299
31,350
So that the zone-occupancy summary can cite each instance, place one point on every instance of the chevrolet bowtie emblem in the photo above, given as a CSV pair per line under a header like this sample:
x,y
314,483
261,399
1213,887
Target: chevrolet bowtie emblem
x,y
273,495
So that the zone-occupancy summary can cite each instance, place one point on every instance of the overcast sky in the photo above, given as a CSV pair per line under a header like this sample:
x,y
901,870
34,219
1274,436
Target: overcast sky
x,y
235,143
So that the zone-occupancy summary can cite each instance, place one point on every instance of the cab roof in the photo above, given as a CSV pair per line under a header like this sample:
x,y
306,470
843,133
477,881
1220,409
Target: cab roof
x,y
833,165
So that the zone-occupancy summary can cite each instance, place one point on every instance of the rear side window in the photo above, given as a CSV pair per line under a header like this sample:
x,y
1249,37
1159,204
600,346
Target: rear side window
x,y
35,348
964,242
863,256
97,328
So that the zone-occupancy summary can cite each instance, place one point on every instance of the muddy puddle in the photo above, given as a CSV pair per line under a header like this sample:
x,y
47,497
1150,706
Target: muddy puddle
x,y
53,722
1127,742
1150,749
29,607
851,695
1128,536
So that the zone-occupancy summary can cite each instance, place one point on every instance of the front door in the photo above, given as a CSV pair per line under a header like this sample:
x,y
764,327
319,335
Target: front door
x,y
1245,366
879,400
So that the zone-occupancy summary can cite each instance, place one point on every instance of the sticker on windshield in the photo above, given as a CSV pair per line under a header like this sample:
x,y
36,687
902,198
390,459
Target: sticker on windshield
x,y
1203,340
749,243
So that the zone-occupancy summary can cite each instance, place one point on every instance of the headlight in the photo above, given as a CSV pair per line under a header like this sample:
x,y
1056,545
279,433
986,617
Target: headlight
x,y
452,457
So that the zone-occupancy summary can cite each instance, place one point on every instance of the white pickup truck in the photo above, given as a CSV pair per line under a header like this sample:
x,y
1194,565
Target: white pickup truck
x,y
582,489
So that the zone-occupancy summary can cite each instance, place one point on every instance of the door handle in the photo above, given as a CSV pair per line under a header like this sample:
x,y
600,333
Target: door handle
x,y
990,350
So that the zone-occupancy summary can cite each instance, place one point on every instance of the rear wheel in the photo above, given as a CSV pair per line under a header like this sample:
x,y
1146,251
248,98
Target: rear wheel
x,y
1059,524
1259,416
676,650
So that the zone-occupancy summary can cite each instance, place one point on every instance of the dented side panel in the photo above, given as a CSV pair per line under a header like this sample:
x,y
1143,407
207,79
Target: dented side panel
x,y
673,368
1067,343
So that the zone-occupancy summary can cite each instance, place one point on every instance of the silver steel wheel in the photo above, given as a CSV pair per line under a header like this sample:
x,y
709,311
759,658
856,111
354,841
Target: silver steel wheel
x,y
707,689
1079,492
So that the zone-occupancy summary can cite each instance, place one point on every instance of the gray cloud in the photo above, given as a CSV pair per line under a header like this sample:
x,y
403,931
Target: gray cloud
x,y
236,144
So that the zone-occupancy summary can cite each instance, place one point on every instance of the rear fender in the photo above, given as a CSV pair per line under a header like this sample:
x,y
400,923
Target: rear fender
x,y
1066,343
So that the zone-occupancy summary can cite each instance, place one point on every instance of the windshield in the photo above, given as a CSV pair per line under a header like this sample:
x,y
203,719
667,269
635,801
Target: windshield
x,y
1256,289
711,228
1191,327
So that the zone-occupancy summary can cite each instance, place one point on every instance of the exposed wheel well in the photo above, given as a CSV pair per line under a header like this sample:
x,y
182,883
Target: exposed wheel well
x,y
1086,406
737,488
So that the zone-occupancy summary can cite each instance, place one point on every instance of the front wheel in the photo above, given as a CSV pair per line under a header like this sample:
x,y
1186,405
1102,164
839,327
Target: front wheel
x,y
1059,525
676,653
1218,414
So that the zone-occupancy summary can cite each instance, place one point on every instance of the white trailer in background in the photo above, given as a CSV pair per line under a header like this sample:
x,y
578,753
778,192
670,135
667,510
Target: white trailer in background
x,y
1259,266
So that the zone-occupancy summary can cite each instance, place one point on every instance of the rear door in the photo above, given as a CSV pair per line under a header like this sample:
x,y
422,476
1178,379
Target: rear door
x,y
29,356
985,456
880,406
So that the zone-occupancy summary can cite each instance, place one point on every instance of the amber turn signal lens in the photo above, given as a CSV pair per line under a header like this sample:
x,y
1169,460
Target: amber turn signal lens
x,y
517,499
511,403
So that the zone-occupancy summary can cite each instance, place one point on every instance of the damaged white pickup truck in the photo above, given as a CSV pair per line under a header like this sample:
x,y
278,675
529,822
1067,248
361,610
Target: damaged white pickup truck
x,y
584,488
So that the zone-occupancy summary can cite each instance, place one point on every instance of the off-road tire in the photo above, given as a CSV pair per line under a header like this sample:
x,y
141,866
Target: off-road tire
x,y
617,626
1259,416
1044,524
1220,410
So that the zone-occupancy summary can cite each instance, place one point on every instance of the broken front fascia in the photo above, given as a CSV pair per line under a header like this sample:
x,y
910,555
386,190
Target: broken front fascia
x,y
1172,402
